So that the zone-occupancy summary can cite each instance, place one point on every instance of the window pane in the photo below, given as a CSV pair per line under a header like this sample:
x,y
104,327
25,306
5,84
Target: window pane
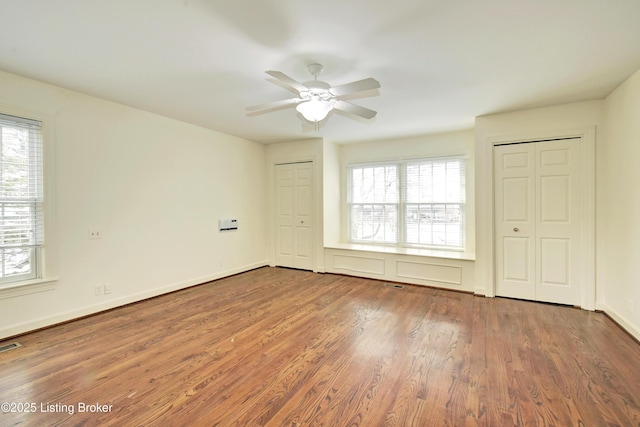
x,y
374,184
16,261
16,224
435,181
434,192
15,162
374,223
434,225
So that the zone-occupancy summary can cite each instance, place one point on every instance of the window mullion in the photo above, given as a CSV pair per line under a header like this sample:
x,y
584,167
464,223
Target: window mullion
x,y
402,210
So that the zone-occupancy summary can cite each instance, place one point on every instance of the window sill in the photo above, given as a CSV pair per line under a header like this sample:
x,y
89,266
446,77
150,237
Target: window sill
x,y
433,253
27,287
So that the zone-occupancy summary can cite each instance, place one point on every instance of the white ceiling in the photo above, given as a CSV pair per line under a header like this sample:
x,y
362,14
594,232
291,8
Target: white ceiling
x,y
440,63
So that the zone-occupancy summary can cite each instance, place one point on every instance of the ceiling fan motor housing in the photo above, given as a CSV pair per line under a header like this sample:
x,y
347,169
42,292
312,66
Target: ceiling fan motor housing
x,y
316,89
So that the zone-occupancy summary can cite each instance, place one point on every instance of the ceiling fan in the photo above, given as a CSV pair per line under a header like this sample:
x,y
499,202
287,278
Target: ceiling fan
x,y
317,98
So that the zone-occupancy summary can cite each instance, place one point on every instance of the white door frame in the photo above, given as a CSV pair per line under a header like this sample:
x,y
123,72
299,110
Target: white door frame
x,y
588,291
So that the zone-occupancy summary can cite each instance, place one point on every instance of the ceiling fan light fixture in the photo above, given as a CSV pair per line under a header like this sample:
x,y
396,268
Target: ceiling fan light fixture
x,y
316,99
314,110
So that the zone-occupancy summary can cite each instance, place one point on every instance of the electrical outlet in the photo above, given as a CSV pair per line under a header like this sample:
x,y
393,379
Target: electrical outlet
x,y
630,305
108,288
99,289
94,233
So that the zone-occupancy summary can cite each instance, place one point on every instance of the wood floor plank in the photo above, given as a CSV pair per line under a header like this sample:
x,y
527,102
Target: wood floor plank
x,y
279,347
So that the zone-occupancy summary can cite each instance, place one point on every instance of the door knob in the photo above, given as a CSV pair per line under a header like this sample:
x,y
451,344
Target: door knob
x,y
516,229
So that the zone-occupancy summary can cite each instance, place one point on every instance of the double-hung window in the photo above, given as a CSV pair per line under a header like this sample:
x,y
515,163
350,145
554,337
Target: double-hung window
x,y
413,203
21,198
374,203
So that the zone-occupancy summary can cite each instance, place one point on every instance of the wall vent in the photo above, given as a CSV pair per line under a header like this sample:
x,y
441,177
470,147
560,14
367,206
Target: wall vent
x,y
393,285
8,347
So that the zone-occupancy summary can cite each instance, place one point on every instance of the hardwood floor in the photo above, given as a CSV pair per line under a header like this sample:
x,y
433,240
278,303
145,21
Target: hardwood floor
x,y
278,347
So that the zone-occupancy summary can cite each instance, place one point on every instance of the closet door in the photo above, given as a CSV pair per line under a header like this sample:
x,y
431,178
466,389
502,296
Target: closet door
x,y
538,199
515,199
558,204
294,215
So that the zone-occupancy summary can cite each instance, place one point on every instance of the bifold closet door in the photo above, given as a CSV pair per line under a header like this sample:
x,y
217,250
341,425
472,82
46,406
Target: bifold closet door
x,y
537,212
294,215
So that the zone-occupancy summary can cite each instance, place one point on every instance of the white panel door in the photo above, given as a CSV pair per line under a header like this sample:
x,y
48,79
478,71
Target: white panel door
x,y
294,215
558,238
537,205
515,220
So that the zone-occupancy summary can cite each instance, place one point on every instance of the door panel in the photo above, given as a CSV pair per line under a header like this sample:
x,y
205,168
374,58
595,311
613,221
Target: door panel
x,y
303,238
516,254
555,257
555,197
515,221
285,239
558,222
537,200
515,203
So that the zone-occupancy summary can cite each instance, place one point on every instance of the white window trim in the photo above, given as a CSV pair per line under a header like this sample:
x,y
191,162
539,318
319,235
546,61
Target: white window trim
x,y
27,287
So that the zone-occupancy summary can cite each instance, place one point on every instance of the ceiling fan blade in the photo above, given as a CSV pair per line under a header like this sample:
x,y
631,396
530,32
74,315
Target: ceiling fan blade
x,y
265,108
353,87
288,81
357,110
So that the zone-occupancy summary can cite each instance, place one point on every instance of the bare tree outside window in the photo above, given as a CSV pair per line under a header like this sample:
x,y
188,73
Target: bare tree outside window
x,y
374,204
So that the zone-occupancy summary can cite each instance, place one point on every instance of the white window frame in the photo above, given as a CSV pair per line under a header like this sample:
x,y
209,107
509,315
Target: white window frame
x,y
401,240
32,237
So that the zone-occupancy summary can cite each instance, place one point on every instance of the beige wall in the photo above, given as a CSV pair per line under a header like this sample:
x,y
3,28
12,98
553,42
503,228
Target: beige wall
x,y
331,193
156,188
620,197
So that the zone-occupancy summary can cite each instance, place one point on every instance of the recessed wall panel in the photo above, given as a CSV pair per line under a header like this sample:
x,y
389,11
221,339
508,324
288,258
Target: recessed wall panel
x,y
359,264
429,272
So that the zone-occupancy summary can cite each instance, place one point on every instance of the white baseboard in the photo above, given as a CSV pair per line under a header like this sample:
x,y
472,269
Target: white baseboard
x,y
65,316
625,323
